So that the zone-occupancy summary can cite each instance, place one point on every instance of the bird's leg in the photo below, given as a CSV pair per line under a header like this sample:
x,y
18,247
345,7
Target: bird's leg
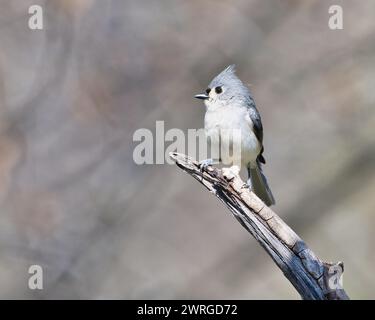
x,y
248,183
207,162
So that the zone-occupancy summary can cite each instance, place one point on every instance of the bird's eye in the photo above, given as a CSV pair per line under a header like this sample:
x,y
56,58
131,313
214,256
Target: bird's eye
x,y
208,90
218,90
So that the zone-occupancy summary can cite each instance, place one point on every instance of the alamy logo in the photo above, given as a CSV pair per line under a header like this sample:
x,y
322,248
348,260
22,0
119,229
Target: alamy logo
x,y
336,20
223,144
36,278
36,18
335,277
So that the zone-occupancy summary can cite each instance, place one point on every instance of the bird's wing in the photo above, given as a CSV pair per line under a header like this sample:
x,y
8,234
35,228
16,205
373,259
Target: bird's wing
x,y
257,123
257,128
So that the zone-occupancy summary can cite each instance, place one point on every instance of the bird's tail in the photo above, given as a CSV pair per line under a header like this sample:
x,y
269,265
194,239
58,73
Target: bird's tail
x,y
260,186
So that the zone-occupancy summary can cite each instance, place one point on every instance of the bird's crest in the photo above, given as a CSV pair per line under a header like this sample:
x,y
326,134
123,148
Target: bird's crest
x,y
227,76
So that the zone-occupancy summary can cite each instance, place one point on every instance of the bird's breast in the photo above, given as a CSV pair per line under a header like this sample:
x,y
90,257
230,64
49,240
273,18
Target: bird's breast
x,y
233,121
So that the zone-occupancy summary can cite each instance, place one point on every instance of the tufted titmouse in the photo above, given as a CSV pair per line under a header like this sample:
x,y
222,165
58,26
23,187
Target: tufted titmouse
x,y
229,105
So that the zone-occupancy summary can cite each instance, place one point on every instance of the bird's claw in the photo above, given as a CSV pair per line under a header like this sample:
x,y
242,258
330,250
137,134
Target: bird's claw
x,y
248,185
205,163
230,173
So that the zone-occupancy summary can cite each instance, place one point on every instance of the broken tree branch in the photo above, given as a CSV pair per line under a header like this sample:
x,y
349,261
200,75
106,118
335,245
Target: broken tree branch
x,y
312,278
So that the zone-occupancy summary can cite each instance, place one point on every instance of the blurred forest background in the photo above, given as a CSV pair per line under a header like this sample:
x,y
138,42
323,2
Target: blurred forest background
x,y
71,96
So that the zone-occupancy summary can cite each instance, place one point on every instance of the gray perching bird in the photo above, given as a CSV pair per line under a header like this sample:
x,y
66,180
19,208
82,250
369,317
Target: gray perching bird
x,y
229,105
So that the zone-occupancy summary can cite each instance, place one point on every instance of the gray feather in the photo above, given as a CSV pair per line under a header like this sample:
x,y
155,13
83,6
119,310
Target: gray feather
x,y
260,186
235,93
237,90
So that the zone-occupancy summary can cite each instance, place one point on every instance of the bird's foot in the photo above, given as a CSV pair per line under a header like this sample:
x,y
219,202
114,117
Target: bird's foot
x,y
247,185
205,163
230,173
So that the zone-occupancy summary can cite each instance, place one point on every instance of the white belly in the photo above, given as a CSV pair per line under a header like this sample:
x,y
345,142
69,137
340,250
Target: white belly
x,y
219,125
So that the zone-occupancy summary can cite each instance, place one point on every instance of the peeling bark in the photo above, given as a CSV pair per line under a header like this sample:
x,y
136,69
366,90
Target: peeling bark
x,y
311,277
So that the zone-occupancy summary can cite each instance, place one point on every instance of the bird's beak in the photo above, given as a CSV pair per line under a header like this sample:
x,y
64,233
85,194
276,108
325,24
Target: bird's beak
x,y
201,96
